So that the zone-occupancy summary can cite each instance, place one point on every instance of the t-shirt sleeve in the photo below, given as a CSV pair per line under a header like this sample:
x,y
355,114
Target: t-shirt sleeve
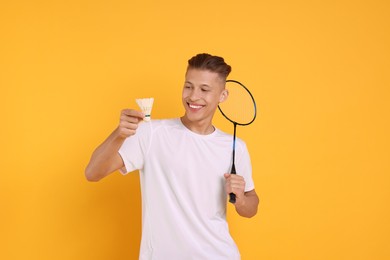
x,y
134,149
244,166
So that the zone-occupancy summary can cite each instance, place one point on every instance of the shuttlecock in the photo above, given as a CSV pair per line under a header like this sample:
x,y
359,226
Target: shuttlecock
x,y
146,105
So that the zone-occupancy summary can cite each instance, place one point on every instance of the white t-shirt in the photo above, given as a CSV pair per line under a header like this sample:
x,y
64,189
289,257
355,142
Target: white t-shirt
x,y
183,190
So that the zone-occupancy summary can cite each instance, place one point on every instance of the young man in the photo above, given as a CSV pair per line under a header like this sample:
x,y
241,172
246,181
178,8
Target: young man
x,y
184,165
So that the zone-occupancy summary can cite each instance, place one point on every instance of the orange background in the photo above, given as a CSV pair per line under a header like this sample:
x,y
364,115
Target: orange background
x,y
319,71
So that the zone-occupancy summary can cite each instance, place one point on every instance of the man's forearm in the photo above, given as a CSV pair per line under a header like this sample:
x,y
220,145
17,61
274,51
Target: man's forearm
x,y
247,206
105,158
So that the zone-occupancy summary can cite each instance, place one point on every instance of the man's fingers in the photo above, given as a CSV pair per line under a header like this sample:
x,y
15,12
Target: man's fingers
x,y
234,178
133,113
128,125
130,119
126,132
234,183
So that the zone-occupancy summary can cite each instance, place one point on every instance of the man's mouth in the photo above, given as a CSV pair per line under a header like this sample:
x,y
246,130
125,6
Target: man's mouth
x,y
193,106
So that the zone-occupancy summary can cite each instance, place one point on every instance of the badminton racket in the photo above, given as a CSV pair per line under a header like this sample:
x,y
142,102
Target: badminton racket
x,y
240,109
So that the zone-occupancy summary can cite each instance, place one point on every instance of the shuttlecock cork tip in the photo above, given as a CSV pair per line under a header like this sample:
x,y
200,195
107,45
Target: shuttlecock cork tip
x,y
145,104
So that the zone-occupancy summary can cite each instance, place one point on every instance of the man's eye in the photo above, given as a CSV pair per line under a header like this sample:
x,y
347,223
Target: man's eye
x,y
204,90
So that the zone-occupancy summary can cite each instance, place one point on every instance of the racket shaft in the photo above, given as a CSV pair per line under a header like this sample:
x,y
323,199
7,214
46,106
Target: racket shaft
x,y
232,196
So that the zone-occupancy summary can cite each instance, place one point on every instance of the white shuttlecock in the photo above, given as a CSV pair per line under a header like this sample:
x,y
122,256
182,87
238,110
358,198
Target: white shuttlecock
x,y
146,105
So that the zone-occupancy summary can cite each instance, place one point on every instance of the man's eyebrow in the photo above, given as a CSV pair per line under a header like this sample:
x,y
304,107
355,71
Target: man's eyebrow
x,y
202,85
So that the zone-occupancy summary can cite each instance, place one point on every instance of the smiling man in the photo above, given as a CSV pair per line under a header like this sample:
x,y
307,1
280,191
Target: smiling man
x,y
203,91
184,165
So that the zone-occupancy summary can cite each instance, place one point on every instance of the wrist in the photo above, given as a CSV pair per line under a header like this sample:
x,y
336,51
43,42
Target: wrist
x,y
119,135
240,201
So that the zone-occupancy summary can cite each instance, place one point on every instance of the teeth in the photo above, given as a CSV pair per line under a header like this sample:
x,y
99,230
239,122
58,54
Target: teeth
x,y
195,106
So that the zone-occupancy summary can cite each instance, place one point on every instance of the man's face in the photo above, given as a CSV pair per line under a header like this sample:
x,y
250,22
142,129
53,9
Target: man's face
x,y
202,92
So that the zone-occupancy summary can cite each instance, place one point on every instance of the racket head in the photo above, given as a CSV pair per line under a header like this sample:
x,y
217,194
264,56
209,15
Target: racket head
x,y
240,105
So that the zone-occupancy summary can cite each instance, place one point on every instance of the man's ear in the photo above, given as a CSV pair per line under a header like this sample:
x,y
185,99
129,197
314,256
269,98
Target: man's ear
x,y
224,95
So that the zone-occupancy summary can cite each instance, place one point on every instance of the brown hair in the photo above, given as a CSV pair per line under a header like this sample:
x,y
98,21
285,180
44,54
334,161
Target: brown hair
x,y
205,61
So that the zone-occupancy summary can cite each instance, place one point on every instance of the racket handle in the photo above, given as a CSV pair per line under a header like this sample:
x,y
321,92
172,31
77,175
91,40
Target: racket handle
x,y
232,196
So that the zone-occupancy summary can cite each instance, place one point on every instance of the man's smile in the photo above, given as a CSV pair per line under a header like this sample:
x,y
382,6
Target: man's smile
x,y
195,106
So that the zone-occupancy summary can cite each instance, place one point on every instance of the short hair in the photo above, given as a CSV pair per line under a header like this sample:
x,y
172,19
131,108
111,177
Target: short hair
x,y
205,61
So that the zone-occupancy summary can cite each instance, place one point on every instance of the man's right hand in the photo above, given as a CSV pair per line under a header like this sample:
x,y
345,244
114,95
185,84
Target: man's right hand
x,y
129,121
106,159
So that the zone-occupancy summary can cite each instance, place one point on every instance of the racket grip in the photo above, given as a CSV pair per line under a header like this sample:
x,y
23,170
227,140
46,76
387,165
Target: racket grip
x,y
232,196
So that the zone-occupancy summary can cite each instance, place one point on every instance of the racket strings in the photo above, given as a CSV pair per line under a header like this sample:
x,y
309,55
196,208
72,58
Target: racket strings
x,y
239,107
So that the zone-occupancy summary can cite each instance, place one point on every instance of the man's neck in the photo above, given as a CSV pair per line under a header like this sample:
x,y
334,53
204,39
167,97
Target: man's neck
x,y
201,127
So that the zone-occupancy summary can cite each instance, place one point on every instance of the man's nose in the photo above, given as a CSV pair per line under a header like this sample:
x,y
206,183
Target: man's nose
x,y
194,95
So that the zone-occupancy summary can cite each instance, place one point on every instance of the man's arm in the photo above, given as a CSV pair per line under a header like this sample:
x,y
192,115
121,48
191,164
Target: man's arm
x,y
246,202
247,205
106,159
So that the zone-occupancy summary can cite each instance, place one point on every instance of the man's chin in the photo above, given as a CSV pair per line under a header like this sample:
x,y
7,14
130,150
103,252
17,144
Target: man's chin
x,y
190,117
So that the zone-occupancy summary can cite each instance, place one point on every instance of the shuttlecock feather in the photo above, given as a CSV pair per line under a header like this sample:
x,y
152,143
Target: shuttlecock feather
x,y
146,105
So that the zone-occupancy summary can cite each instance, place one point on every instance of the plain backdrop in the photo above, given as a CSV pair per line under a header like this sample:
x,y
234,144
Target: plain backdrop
x,y
319,71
